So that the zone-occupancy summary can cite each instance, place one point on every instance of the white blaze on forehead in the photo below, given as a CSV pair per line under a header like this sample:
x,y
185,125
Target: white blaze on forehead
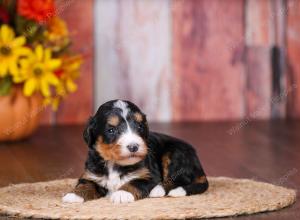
x,y
128,137
123,106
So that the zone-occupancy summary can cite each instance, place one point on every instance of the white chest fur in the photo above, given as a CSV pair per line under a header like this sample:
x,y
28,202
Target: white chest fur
x,y
112,181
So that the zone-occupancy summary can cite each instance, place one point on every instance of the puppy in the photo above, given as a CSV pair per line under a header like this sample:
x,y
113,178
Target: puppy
x,y
127,162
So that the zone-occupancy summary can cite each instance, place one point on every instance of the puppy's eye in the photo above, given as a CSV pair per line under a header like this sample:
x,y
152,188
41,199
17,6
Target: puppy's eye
x,y
140,127
111,130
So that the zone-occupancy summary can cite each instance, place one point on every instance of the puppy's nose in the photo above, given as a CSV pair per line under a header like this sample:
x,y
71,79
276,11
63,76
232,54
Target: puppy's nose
x,y
133,148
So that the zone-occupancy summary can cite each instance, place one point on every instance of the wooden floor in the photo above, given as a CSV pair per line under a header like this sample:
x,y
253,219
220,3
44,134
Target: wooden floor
x,y
265,151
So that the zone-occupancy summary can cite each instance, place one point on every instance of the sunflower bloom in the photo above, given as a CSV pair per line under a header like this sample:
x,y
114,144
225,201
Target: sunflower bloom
x,y
37,72
11,49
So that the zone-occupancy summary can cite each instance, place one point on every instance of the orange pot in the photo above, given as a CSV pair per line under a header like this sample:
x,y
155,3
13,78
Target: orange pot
x,y
19,115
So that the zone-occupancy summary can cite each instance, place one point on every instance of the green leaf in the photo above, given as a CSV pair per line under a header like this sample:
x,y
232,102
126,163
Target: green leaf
x,y
27,28
5,86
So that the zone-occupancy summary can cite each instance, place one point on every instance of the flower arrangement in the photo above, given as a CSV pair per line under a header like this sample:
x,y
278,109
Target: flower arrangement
x,y
35,51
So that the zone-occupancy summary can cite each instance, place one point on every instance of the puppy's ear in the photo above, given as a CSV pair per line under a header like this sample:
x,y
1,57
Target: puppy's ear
x,y
88,133
146,125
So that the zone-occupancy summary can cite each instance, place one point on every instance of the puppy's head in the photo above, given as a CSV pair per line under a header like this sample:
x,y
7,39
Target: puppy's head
x,y
118,132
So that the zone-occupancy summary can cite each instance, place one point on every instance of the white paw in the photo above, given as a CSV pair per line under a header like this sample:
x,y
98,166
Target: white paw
x,y
72,198
177,192
157,191
121,196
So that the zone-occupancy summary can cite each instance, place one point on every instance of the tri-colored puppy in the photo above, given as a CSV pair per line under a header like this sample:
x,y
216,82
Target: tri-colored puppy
x,y
127,162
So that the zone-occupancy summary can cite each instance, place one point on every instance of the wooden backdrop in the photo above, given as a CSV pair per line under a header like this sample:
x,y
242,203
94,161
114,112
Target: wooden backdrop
x,y
187,59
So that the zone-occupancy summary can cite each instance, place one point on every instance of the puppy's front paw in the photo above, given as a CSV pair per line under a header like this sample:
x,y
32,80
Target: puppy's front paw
x,y
121,196
157,191
177,192
72,198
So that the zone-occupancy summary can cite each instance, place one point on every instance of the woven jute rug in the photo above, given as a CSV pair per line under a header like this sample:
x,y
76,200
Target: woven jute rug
x,y
225,197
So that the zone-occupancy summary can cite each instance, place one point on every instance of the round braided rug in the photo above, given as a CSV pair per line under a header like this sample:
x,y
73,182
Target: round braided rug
x,y
225,197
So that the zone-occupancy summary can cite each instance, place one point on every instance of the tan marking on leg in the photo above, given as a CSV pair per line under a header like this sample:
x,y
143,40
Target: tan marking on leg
x,y
138,117
165,164
113,120
87,191
142,173
133,190
201,179
167,181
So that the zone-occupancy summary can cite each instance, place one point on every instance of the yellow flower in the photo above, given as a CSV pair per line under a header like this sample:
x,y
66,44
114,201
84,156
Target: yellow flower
x,y
53,102
37,72
11,49
69,71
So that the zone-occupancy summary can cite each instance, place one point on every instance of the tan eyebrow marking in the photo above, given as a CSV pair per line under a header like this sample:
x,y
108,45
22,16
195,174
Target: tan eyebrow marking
x,y
138,117
113,120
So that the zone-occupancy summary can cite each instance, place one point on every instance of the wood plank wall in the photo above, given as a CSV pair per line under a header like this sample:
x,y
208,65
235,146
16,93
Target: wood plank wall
x,y
208,67
134,54
293,58
187,59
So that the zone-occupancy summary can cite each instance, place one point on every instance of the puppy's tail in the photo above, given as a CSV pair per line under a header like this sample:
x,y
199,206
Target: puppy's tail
x,y
200,185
